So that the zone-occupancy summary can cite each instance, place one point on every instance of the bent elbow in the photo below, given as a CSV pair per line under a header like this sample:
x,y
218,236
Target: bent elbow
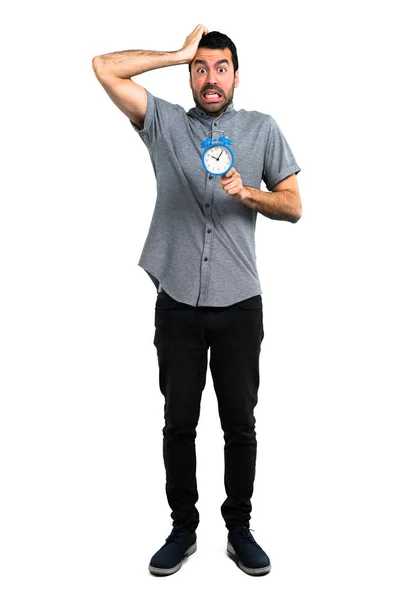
x,y
95,62
296,208
297,213
297,216
98,64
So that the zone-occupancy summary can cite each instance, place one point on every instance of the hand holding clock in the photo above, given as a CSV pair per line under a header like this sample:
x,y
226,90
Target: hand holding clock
x,y
232,184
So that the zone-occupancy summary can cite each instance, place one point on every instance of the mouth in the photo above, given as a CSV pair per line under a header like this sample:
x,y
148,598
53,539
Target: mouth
x,y
211,96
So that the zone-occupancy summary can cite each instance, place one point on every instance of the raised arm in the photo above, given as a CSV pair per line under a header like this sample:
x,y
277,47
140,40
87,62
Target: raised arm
x,y
114,72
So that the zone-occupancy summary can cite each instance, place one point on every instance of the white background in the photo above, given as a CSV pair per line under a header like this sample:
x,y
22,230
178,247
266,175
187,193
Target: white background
x,y
82,502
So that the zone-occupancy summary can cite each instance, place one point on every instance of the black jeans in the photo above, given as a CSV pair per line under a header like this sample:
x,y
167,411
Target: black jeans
x,y
183,334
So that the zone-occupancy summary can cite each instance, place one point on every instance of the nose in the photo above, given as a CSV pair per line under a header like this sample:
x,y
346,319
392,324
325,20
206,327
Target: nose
x,y
212,77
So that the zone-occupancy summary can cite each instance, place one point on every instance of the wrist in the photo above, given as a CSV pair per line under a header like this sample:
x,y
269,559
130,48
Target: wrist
x,y
247,193
181,58
171,58
249,197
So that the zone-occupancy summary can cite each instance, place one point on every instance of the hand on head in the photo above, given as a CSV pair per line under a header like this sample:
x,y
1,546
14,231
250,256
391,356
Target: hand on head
x,y
189,48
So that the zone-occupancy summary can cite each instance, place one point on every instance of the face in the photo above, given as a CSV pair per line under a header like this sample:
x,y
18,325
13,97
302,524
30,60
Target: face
x,y
213,80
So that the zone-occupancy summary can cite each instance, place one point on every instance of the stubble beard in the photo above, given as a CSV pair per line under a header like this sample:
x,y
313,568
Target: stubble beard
x,y
211,110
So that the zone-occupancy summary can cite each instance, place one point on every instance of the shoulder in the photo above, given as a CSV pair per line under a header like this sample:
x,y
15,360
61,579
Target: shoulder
x,y
255,117
160,114
162,105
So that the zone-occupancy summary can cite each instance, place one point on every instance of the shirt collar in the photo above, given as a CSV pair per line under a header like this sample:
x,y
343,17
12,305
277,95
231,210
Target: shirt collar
x,y
203,116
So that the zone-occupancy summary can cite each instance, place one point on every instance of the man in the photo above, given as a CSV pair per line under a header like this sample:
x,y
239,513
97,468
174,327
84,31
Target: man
x,y
200,254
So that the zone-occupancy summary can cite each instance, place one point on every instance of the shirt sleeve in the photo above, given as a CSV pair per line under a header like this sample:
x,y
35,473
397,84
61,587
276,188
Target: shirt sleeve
x,y
279,161
160,116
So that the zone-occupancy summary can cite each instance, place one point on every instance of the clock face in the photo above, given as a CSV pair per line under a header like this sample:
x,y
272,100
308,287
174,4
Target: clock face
x,y
218,160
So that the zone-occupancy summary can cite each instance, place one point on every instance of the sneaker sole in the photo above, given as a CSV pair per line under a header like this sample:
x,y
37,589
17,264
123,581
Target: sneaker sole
x,y
175,568
259,571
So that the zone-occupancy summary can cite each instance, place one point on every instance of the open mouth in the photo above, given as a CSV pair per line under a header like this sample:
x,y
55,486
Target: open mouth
x,y
212,96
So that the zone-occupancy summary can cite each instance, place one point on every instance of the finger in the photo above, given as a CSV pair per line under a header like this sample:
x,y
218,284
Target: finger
x,y
195,33
234,192
228,183
227,179
200,31
230,180
232,187
232,171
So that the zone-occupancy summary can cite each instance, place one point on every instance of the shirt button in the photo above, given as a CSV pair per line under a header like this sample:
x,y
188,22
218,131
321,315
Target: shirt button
x,y
207,205
208,230
210,177
206,259
215,124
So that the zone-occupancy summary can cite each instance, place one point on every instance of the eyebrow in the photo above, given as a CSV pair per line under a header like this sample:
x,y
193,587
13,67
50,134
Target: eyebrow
x,y
198,61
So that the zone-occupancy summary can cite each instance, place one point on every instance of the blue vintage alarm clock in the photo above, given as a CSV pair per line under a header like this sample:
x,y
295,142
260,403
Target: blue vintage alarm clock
x,y
217,156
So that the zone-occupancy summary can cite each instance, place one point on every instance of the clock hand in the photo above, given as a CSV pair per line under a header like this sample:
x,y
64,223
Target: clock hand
x,y
220,155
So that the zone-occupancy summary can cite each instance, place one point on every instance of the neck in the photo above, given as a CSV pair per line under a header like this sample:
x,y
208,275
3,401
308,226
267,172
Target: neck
x,y
214,115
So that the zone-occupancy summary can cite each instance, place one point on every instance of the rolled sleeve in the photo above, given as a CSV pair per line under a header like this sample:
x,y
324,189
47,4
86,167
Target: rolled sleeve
x,y
279,161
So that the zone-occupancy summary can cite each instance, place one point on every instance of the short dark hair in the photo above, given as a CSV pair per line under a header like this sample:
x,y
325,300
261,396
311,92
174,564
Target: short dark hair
x,y
219,41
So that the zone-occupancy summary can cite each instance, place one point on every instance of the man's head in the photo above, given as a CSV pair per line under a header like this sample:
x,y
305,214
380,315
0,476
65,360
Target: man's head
x,y
214,73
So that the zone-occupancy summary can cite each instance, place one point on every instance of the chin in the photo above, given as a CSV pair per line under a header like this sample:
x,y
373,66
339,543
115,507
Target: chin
x,y
213,109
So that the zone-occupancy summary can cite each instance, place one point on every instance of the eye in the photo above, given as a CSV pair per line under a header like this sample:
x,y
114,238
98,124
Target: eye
x,y
222,69
201,70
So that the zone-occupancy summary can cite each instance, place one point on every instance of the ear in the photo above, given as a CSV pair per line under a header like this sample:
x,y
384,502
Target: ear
x,y
236,80
190,76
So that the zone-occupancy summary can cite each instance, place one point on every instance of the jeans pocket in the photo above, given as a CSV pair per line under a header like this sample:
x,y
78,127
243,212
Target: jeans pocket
x,y
164,301
253,303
